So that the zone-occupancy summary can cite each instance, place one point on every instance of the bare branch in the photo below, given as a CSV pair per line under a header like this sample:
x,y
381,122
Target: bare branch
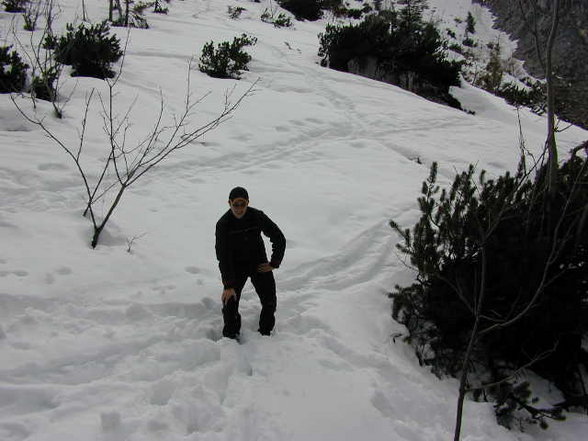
x,y
84,121
131,242
556,248
67,150
583,146
174,144
516,372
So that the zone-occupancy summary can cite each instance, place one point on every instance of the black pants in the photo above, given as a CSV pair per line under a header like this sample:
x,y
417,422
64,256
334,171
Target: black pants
x,y
265,286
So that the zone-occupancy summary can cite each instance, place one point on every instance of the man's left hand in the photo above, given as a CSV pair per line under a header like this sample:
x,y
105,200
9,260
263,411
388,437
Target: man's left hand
x,y
265,268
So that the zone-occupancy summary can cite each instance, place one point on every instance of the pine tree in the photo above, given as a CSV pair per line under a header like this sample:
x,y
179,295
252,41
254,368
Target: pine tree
x,y
491,79
12,71
501,283
413,10
470,24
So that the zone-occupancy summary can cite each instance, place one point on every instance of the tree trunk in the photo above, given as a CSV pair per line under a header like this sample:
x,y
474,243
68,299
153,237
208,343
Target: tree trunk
x,y
98,229
463,379
96,236
550,143
471,344
127,4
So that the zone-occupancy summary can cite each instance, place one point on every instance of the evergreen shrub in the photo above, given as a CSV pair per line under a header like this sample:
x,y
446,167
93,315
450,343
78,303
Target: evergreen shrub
x,y
280,20
15,5
470,24
332,5
43,86
158,8
235,11
13,71
227,59
455,47
89,50
340,9
353,13
519,253
133,16
491,78
403,46
50,42
469,42
532,97
303,9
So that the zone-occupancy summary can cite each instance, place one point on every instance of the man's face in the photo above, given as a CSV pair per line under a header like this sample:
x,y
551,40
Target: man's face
x,y
239,207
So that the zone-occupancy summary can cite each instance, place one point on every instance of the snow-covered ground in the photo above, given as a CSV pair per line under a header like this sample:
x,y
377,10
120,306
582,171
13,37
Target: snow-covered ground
x,y
123,342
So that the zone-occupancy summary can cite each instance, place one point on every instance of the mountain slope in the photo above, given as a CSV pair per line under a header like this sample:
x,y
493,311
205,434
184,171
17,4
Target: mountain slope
x,y
123,342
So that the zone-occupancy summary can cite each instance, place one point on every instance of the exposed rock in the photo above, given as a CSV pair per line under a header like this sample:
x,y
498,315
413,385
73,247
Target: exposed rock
x,y
517,17
370,67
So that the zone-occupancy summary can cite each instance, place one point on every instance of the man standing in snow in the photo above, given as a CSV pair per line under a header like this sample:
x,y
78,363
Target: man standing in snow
x,y
241,255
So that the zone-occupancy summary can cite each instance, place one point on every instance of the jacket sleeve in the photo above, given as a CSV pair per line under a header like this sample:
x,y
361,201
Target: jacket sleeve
x,y
271,230
223,255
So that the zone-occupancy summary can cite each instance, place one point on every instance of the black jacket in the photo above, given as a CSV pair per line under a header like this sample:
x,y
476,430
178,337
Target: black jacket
x,y
239,243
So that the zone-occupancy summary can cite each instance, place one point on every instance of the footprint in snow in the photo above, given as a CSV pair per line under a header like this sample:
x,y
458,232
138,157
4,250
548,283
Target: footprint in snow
x,y
64,271
51,166
18,273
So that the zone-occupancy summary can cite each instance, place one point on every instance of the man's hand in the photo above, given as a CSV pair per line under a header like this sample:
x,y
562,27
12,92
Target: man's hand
x,y
265,268
227,294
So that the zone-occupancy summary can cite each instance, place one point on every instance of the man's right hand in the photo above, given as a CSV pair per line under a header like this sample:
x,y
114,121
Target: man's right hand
x,y
227,294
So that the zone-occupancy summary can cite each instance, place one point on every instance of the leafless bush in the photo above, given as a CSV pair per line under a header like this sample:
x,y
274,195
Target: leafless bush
x,y
125,164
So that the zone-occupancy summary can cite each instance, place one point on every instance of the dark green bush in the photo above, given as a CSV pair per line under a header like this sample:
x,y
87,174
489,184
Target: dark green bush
x,y
280,20
469,42
15,5
43,86
13,72
403,46
133,15
50,42
470,24
519,253
158,8
89,50
332,5
228,59
532,97
456,48
339,9
353,13
303,9
235,11
491,78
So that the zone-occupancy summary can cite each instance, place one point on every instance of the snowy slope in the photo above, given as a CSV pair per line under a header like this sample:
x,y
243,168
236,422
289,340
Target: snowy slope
x,y
452,15
114,345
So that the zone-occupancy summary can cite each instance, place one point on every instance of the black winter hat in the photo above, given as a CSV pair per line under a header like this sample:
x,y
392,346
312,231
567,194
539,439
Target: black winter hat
x,y
238,192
